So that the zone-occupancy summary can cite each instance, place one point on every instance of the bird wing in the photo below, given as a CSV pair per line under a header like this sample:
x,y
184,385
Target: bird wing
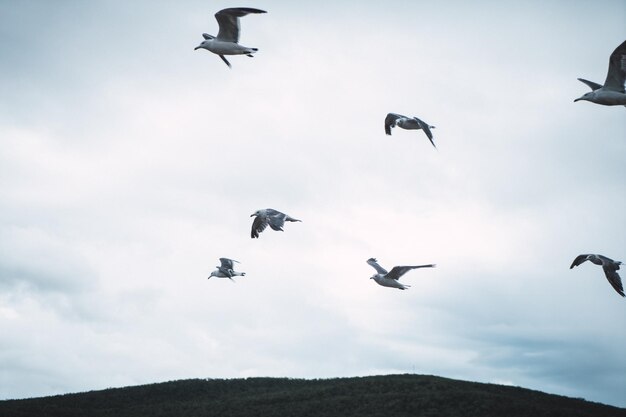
x,y
273,213
390,121
606,260
591,84
579,260
373,263
228,19
258,225
227,263
277,222
613,277
275,218
426,130
617,69
226,61
397,271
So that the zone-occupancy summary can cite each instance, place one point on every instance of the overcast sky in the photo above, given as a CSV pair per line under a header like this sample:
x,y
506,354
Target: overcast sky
x,y
129,163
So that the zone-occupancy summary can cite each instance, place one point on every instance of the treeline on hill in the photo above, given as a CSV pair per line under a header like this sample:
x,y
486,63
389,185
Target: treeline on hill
x,y
392,395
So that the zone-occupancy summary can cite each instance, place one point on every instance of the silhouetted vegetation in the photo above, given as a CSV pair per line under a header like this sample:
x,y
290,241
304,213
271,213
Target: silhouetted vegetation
x,y
385,396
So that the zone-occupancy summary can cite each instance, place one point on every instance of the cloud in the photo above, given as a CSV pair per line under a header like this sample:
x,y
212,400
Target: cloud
x,y
131,163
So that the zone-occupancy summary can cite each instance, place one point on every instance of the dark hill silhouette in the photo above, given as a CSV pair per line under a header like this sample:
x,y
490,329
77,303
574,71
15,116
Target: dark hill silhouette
x,y
388,396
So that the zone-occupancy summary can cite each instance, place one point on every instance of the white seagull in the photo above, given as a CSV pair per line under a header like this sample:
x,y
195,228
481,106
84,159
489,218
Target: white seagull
x,y
274,218
390,279
610,269
226,270
227,40
612,92
410,123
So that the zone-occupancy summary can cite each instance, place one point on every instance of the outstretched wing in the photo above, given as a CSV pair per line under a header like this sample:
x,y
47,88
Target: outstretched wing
x,y
390,121
613,277
617,69
426,130
258,225
228,19
591,84
579,260
397,271
373,263
271,212
227,263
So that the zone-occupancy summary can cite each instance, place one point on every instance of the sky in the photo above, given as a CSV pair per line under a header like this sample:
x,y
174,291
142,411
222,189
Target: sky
x,y
129,163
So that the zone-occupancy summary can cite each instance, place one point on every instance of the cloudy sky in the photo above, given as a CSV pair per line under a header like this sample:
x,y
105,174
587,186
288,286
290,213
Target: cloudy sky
x,y
129,163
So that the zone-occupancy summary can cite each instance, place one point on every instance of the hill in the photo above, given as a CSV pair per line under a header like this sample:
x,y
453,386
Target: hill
x,y
392,395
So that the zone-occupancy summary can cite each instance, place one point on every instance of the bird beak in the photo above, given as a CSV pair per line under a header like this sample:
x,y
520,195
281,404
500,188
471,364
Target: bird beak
x,y
580,98
252,215
197,47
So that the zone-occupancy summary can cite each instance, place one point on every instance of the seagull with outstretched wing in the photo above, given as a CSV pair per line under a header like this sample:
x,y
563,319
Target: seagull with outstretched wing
x,y
410,123
227,40
269,217
609,266
390,279
226,270
612,92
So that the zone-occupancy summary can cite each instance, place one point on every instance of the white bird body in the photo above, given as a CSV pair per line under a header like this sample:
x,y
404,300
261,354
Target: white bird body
x,y
390,279
227,40
605,97
612,92
220,47
388,282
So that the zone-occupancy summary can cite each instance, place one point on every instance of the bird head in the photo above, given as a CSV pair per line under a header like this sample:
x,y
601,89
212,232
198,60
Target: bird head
x,y
202,45
213,274
587,96
256,213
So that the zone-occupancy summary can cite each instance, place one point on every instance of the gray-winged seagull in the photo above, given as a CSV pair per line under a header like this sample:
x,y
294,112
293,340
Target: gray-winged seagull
x,y
610,269
409,123
390,279
227,40
274,218
226,270
612,92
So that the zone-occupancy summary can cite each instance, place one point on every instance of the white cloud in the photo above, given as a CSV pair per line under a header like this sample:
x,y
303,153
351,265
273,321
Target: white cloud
x,y
131,163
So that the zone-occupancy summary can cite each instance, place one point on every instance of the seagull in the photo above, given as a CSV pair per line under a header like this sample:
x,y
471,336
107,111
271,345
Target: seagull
x,y
612,92
227,40
226,270
610,269
274,218
411,123
390,279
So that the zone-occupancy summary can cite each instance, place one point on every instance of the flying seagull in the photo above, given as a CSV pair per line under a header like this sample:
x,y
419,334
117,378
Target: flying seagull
x,y
227,40
226,270
610,269
612,92
390,279
410,123
274,218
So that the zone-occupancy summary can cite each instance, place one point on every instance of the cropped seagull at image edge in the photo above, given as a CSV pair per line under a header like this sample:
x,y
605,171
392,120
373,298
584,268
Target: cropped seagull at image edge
x,y
227,40
612,92
390,279
409,123
609,266
226,270
274,218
